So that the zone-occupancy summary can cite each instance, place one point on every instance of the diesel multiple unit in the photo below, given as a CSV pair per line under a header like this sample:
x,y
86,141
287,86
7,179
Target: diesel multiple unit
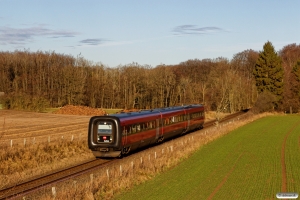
x,y
118,134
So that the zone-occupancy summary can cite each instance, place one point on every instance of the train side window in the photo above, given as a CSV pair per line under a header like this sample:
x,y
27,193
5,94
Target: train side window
x,y
138,128
142,126
128,129
150,124
173,119
133,128
145,126
167,121
182,118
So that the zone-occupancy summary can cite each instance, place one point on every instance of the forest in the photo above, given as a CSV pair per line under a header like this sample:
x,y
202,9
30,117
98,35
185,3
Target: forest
x,y
39,80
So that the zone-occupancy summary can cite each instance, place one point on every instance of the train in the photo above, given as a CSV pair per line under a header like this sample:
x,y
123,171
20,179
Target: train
x,y
116,135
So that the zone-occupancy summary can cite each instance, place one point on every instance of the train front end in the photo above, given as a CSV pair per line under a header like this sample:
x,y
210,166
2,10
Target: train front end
x,y
104,136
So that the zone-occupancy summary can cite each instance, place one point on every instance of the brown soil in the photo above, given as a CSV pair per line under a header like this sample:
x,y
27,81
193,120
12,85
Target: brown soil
x,y
79,110
224,179
37,127
284,177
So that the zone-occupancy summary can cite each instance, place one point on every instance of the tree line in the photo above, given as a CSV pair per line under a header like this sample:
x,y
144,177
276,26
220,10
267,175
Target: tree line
x,y
37,80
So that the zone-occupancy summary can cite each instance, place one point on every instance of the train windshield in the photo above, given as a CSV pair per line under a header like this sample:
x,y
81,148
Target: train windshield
x,y
105,127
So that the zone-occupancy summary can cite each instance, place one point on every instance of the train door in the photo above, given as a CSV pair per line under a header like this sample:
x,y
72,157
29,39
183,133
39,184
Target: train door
x,y
157,128
188,118
125,135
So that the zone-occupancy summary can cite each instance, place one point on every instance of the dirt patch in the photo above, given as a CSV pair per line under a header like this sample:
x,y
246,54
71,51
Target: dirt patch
x,y
224,179
79,110
284,177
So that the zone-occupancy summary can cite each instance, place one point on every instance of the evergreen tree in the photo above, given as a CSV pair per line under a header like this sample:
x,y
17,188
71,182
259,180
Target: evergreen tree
x,y
268,72
296,83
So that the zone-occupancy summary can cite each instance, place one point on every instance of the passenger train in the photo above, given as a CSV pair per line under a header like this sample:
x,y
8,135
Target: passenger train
x,y
118,134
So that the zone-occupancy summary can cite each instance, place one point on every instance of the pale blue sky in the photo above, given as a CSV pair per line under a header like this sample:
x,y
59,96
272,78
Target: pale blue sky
x,y
151,32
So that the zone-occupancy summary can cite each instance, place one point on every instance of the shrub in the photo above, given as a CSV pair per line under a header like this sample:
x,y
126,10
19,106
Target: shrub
x,y
24,102
264,103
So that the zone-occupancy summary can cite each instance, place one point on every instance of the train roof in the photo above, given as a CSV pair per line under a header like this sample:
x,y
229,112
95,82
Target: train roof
x,y
155,111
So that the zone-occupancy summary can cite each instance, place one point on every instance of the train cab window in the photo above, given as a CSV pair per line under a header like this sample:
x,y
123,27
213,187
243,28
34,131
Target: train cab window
x,y
105,128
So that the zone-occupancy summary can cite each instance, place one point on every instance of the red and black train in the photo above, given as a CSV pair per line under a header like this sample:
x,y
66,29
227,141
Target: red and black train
x,y
118,134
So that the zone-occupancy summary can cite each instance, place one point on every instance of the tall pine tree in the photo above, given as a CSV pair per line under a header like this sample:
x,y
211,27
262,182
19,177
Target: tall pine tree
x,y
268,72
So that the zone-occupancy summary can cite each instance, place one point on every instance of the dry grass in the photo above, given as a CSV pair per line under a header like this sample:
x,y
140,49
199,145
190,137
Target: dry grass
x,y
21,163
138,168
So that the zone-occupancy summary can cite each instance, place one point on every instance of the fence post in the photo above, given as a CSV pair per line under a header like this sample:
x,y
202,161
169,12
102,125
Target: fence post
x,y
107,173
54,192
91,177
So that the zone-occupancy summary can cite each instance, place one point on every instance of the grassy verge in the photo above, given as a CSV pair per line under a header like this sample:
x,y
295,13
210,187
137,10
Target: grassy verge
x,y
21,163
112,111
245,164
51,110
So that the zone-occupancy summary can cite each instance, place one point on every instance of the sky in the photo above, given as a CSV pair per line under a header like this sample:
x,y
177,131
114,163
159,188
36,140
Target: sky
x,y
152,32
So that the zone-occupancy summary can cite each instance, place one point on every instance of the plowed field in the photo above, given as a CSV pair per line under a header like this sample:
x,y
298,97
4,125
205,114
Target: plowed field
x,y
17,127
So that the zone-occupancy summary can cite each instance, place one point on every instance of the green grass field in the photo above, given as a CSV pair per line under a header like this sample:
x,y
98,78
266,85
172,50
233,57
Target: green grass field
x,y
253,162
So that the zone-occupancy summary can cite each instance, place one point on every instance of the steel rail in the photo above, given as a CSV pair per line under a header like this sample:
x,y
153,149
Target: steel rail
x,y
44,181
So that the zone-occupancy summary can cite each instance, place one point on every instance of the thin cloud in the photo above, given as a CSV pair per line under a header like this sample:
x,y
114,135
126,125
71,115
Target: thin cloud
x,y
194,30
15,36
94,41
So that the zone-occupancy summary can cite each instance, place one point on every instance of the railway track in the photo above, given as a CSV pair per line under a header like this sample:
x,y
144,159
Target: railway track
x,y
44,181
31,186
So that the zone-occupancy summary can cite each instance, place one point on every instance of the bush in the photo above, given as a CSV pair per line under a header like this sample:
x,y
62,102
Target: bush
x,y
24,102
264,103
